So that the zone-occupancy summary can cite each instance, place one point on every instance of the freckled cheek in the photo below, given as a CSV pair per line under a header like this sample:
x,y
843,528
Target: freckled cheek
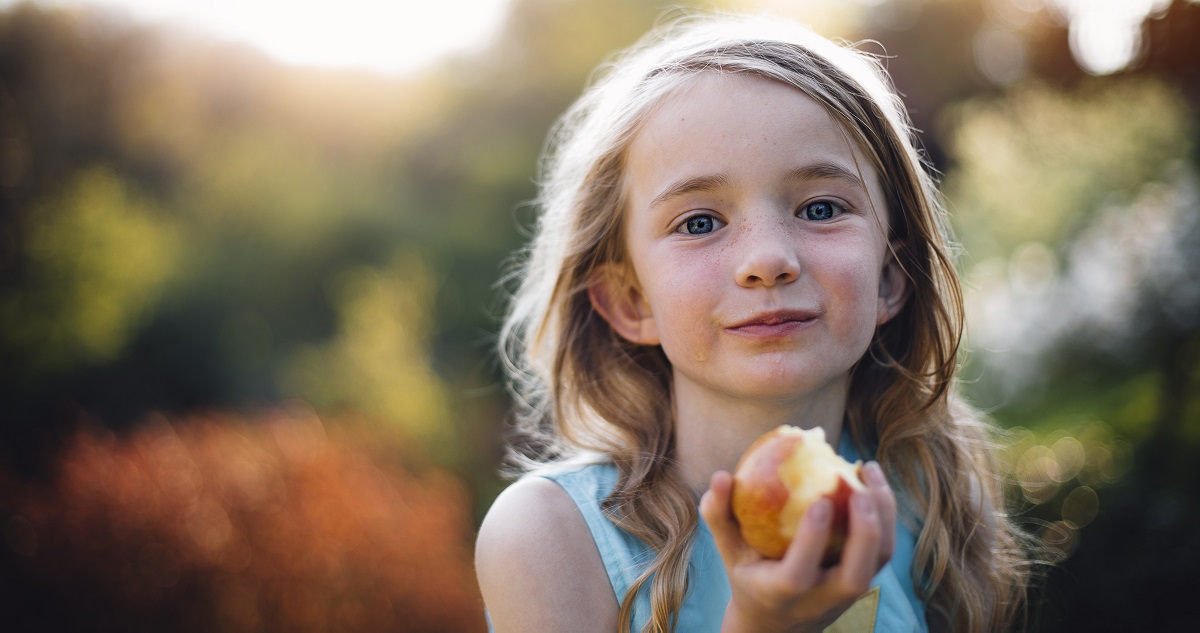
x,y
688,297
683,328
854,280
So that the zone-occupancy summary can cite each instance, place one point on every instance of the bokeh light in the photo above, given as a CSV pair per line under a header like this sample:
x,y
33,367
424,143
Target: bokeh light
x,y
224,523
1106,35
1060,477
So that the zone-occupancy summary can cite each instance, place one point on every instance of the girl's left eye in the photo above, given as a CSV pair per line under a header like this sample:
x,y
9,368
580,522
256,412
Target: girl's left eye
x,y
821,210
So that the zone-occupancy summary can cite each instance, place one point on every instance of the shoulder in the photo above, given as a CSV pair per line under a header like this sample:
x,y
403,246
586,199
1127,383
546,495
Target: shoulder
x,y
537,564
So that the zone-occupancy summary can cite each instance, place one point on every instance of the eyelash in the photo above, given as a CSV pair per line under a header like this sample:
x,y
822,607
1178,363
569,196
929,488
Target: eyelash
x,y
682,227
837,207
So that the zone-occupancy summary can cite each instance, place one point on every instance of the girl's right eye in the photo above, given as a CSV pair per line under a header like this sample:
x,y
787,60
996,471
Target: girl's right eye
x,y
699,225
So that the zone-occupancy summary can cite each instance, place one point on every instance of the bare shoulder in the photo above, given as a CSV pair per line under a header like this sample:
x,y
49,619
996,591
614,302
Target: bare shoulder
x,y
538,567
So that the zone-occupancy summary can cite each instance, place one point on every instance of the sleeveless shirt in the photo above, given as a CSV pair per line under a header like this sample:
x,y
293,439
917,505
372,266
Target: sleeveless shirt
x,y
890,605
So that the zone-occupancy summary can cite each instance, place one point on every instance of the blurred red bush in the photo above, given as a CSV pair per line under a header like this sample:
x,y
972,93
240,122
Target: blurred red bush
x,y
216,523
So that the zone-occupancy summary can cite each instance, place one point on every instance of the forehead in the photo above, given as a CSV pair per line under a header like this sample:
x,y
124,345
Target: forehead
x,y
712,96
732,124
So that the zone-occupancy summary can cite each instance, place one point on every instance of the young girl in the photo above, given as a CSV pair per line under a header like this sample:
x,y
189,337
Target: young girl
x,y
736,232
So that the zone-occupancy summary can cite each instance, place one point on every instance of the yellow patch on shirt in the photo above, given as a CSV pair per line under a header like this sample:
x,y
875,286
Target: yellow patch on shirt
x,y
860,616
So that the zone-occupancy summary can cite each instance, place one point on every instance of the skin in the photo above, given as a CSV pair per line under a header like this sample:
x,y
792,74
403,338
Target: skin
x,y
757,237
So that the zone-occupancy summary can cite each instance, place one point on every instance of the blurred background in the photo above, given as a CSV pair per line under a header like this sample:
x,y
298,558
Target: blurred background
x,y
249,266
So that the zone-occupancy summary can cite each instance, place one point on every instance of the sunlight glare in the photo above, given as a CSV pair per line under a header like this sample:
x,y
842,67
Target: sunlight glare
x,y
389,37
1106,35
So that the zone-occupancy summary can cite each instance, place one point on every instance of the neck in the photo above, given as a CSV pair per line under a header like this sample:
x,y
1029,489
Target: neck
x,y
712,430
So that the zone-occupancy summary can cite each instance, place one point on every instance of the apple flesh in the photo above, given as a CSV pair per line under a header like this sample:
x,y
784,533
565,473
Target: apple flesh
x,y
779,477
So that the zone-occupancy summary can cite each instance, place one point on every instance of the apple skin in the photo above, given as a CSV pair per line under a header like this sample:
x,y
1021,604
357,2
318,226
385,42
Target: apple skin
x,y
779,476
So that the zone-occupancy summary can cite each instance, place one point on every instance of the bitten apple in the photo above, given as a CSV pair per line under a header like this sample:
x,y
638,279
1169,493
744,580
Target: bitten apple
x,y
779,477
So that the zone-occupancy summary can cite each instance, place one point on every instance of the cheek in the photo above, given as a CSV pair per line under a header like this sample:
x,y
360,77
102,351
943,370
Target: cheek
x,y
852,277
682,282
683,299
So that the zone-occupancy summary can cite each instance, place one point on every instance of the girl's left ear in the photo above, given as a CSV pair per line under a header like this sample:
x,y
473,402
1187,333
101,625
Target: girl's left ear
x,y
894,290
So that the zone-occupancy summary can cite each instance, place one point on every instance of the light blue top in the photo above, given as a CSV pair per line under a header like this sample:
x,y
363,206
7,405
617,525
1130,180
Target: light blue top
x,y
624,556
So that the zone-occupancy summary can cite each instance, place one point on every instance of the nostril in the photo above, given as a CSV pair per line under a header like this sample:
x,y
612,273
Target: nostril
x,y
768,269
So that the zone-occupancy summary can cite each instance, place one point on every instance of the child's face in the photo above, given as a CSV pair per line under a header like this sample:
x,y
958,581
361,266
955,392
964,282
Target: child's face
x,y
757,233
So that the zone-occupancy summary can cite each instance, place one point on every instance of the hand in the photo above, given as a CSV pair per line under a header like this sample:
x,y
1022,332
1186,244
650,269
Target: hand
x,y
795,593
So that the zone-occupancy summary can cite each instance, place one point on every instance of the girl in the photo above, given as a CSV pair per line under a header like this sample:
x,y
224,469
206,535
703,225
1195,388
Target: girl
x,y
736,232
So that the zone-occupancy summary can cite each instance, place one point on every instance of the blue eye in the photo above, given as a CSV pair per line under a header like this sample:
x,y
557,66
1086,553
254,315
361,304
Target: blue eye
x,y
821,210
699,225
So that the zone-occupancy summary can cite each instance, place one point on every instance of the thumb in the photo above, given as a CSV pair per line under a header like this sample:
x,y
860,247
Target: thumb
x,y
717,511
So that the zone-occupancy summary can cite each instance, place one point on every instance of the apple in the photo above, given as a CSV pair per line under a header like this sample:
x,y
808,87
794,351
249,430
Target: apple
x,y
779,477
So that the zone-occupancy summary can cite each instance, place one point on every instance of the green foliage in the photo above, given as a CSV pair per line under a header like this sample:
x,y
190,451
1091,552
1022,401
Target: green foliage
x,y
1080,209
98,258
1047,185
379,361
1034,164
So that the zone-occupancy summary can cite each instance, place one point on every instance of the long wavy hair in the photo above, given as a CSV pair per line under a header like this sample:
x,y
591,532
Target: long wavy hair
x,y
581,388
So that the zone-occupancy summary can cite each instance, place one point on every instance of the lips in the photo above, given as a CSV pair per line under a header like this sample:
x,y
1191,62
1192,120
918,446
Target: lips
x,y
774,323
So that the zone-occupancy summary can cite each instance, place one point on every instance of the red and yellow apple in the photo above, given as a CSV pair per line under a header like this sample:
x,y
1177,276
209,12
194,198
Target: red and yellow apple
x,y
779,477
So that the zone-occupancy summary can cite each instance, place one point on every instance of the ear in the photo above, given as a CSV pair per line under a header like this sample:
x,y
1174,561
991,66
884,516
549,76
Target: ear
x,y
894,290
619,300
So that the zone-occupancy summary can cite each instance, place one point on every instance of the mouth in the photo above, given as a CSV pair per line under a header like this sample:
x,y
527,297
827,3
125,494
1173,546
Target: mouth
x,y
774,323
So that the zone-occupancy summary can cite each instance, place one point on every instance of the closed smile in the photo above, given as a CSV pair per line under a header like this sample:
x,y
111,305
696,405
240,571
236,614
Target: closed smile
x,y
773,324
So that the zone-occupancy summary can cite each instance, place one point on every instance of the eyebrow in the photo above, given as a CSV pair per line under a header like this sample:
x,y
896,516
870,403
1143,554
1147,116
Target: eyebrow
x,y
690,185
824,170
821,170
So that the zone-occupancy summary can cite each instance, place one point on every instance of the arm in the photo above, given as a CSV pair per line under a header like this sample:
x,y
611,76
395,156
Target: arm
x,y
795,593
537,565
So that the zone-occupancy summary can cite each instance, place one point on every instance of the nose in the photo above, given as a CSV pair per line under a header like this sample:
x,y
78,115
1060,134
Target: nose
x,y
768,258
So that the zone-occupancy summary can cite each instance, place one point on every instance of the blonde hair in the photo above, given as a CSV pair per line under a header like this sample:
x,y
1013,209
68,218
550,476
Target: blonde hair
x,y
581,387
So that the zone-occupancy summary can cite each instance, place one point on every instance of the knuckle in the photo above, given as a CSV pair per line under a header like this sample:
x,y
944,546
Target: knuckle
x,y
870,530
784,592
848,591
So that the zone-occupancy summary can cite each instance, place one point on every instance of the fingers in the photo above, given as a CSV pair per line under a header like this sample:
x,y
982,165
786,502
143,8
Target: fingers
x,y
869,546
872,530
803,557
861,554
885,503
718,514
798,588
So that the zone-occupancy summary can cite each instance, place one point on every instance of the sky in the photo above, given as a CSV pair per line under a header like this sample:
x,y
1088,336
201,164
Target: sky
x,y
388,36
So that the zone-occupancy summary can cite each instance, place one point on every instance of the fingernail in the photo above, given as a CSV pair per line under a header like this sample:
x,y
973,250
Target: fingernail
x,y
819,511
875,475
